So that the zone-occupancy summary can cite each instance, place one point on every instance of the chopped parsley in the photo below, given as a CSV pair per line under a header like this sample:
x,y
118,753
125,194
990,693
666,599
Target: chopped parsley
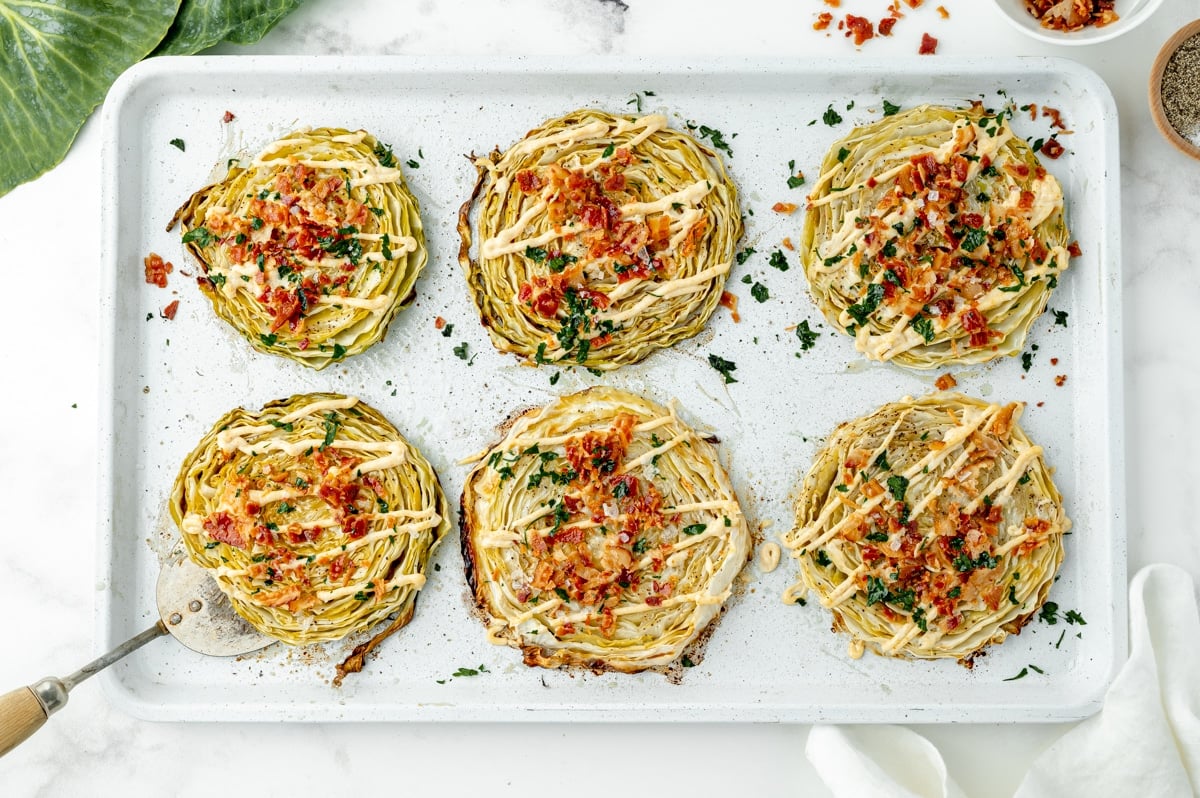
x,y
411,164
447,330
823,559
716,137
779,260
889,109
694,529
178,144
1060,316
743,255
973,239
897,485
831,117
460,351
268,340
924,327
867,305
963,562
760,292
384,153
535,254
724,367
1074,617
843,153
795,179
200,236
331,425
807,336
470,671
1024,672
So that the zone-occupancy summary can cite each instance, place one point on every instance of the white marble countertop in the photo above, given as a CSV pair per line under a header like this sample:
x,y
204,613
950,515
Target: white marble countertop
x,y
48,457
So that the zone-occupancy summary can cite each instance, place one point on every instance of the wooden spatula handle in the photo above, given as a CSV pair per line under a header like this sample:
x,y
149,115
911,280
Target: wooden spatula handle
x,y
21,714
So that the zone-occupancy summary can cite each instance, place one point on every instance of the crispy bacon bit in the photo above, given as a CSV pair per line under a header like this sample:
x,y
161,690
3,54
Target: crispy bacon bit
x,y
222,527
168,312
228,117
860,27
928,45
529,182
784,207
943,12
439,323
1053,361
788,245
823,21
1060,380
654,601
730,301
1052,149
1073,249
885,26
1055,115
945,382
157,270
913,3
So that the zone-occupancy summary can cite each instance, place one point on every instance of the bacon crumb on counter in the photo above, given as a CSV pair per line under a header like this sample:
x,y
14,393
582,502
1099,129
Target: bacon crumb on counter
x,y
784,207
1060,380
439,323
913,3
1053,361
833,3
943,12
228,117
1052,149
885,26
730,301
1074,250
928,45
860,27
1055,117
945,382
824,19
1040,404
157,270
168,312
788,245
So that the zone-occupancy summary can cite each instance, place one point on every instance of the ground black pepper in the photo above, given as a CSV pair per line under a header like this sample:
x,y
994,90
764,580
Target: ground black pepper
x,y
1181,89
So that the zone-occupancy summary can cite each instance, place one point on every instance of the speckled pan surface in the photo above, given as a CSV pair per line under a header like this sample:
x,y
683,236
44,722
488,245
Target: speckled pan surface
x,y
165,382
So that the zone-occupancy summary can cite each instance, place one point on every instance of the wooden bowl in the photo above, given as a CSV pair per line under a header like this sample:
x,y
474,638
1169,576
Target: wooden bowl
x,y
1157,111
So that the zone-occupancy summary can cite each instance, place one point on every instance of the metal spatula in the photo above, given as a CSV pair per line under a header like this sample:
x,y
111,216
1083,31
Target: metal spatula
x,y
191,608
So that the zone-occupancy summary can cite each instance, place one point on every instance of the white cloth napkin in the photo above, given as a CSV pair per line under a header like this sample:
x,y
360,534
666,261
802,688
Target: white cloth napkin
x,y
1144,742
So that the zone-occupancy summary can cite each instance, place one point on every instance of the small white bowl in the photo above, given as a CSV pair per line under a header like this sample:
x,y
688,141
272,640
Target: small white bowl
x,y
1131,12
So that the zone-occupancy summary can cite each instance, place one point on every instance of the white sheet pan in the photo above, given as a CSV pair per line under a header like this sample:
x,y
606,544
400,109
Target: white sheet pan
x,y
165,382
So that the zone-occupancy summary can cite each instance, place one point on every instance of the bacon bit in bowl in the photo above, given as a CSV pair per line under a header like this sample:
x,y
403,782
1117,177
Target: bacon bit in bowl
x,y
1075,22
1070,15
